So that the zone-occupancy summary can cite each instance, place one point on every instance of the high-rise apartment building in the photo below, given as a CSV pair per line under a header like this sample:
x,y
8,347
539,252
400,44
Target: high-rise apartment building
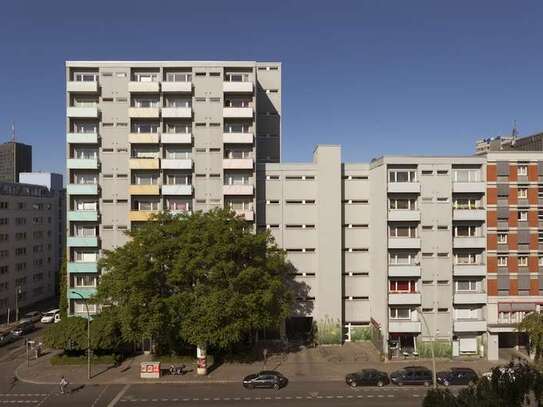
x,y
31,227
150,136
14,158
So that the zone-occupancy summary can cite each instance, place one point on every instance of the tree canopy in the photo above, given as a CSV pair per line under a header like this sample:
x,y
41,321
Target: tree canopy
x,y
532,324
204,278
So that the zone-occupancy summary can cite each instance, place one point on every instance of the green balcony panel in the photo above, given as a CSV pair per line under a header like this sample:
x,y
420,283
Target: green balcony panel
x,y
85,292
82,138
88,216
82,189
80,267
76,241
82,164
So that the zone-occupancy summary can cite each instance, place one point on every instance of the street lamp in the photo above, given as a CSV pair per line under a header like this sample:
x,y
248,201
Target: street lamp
x,y
88,334
434,378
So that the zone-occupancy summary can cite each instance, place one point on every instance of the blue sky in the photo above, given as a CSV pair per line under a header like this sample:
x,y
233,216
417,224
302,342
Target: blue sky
x,y
378,77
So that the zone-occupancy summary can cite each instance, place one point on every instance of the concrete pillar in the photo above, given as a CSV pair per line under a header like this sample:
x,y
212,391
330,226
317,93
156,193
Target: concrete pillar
x,y
493,346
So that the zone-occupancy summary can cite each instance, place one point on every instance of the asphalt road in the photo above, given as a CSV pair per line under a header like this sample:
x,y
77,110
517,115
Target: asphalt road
x,y
13,392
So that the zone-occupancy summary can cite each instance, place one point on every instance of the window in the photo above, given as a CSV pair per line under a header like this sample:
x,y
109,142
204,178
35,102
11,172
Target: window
x,y
183,128
84,205
84,280
467,203
148,205
85,76
400,313
82,256
502,261
466,231
403,231
522,170
402,176
145,102
237,128
145,76
402,286
178,102
502,238
466,285
145,179
80,307
177,205
236,179
466,175
237,102
402,258
178,179
84,231
145,127
236,77
402,204
523,193
523,261
178,77
522,215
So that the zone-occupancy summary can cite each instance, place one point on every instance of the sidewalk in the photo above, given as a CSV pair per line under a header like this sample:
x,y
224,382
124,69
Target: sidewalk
x,y
318,364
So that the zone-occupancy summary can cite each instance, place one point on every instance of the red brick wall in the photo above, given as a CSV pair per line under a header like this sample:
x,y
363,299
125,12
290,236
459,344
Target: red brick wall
x,y
513,218
491,264
513,287
512,264
492,287
513,196
532,172
512,172
491,172
512,241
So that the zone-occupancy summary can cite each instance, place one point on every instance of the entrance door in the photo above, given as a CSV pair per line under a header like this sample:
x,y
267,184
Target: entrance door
x,y
468,345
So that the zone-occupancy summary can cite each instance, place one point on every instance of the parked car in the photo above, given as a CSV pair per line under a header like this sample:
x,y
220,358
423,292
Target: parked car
x,y
457,376
267,379
503,370
23,327
414,375
6,337
34,316
51,316
367,377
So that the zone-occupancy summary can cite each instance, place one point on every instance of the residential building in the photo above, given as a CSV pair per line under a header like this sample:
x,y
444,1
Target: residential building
x,y
514,244
510,143
30,246
14,158
149,136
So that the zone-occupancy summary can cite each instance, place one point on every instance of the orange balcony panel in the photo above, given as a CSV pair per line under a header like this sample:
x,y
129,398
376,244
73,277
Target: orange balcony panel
x,y
492,196
512,263
491,172
491,241
492,264
513,220
532,196
512,240
513,196
491,219
513,172
533,266
492,287
532,219
534,287
532,173
513,287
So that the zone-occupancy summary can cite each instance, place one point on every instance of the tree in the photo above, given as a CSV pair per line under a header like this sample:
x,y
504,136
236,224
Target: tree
x,y
70,334
63,290
532,324
205,278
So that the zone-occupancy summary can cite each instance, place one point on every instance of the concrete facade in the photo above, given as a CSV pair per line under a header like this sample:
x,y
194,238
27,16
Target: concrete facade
x,y
31,245
149,136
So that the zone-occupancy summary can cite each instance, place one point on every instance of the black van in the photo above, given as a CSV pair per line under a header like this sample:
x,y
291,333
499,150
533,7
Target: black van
x,y
24,327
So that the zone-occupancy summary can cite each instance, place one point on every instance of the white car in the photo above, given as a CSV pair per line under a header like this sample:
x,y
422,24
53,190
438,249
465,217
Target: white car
x,y
51,316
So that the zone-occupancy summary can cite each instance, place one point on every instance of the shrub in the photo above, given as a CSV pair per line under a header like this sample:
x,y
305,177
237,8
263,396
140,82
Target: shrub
x,y
442,349
329,331
360,333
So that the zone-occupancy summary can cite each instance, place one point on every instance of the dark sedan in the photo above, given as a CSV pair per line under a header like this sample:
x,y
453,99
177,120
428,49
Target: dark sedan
x,y
414,375
367,377
457,376
267,379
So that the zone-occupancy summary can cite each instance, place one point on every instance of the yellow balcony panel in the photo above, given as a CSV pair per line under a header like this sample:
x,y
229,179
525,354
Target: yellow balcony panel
x,y
144,164
143,138
144,112
140,216
143,190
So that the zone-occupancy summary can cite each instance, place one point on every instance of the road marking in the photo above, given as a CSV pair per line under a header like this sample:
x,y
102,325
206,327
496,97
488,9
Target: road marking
x,y
99,396
24,394
19,401
113,402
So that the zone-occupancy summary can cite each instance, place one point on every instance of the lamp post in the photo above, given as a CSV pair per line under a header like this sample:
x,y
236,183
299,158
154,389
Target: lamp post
x,y
434,378
88,334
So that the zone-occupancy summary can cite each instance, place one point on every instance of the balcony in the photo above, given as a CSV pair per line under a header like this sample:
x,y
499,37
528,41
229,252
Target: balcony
x,y
141,216
404,243
82,87
177,112
177,87
248,215
82,189
144,112
469,270
82,164
469,214
137,87
469,298
143,138
238,87
403,270
469,325
176,189
82,267
144,163
237,189
176,138
86,292
177,163
404,298
237,138
399,187
472,187
403,215
82,241
83,216
82,138
237,163
400,326
238,112
469,242
143,190
83,112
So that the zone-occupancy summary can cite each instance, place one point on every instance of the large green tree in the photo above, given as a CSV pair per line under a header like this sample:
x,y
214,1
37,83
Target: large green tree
x,y
63,290
205,278
532,324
